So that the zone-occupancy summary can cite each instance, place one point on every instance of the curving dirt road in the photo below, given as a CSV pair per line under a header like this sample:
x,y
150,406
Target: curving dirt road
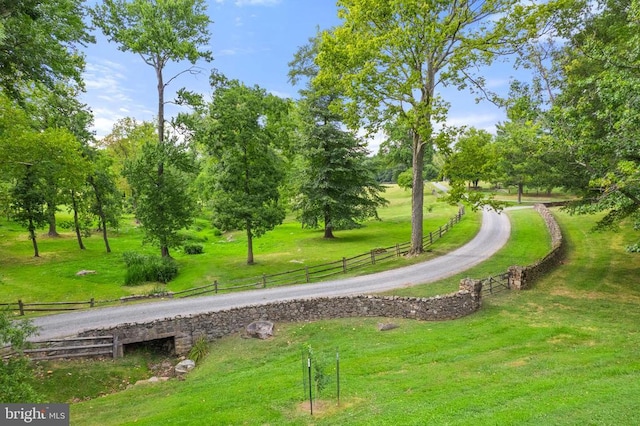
x,y
493,234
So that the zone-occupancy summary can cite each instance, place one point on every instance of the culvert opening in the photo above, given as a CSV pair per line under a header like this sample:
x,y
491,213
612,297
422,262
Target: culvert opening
x,y
165,346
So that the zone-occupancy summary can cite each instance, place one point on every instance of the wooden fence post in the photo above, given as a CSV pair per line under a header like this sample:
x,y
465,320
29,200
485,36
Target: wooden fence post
x,y
397,250
21,307
344,265
264,281
115,347
92,303
306,273
373,257
215,286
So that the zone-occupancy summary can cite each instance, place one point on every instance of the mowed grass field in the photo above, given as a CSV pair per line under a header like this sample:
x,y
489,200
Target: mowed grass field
x,y
52,276
562,353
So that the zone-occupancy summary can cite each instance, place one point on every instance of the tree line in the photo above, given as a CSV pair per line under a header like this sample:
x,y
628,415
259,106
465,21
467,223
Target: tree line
x,y
247,156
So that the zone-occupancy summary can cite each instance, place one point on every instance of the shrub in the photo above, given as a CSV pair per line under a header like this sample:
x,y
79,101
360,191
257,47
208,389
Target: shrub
x,y
142,268
199,350
16,372
193,249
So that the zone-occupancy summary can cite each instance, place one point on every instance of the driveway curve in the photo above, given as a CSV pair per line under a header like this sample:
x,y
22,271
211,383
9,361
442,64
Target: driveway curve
x,y
494,233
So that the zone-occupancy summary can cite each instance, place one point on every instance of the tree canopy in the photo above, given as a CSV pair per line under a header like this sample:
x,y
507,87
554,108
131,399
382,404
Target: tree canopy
x,y
40,42
389,58
596,115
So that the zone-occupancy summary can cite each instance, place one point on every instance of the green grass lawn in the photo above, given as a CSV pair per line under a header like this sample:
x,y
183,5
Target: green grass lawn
x,y
52,277
563,353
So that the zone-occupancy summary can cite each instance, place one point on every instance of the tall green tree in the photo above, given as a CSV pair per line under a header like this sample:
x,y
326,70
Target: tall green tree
x,y
28,202
596,116
106,200
335,184
160,31
40,42
520,152
472,158
53,152
60,107
240,132
164,202
33,157
390,57
337,188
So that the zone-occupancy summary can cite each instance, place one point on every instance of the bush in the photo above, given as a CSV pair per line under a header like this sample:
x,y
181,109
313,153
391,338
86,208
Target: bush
x,y
142,268
634,248
15,372
193,249
199,350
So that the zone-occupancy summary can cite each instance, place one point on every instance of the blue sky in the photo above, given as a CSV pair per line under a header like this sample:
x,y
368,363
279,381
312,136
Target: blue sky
x,y
252,41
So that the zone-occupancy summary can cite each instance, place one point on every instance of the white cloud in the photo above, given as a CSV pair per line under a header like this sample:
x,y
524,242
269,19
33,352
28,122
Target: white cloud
x,y
227,52
110,96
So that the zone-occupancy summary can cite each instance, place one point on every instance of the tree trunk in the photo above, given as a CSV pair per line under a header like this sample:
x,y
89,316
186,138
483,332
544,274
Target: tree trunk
x,y
520,190
76,222
249,244
160,80
32,235
328,226
164,250
51,218
104,233
417,196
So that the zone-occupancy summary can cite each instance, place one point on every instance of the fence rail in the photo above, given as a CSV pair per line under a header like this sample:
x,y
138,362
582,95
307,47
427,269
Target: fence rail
x,y
307,274
48,306
73,347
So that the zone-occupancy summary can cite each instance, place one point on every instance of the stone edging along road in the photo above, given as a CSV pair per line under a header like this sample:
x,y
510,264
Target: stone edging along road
x,y
493,235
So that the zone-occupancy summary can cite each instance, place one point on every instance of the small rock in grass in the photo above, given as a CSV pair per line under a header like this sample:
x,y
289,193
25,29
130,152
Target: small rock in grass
x,y
387,326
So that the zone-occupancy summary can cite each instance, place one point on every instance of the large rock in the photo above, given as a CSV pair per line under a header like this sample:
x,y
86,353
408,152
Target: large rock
x,y
185,366
260,329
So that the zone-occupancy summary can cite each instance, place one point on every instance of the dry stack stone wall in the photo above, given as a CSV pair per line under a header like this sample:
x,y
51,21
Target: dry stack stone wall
x,y
523,277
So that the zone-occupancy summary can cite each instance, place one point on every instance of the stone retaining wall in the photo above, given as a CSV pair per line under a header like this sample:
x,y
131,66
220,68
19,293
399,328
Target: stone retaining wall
x,y
523,277
214,325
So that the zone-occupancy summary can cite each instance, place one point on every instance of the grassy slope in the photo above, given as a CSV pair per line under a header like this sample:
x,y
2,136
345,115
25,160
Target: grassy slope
x,y
562,353
52,276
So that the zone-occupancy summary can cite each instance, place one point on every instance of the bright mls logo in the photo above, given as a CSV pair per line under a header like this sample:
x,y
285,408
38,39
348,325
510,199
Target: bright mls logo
x,y
34,414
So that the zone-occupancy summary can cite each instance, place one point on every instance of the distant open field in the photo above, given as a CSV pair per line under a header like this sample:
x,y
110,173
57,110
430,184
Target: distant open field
x,y
52,277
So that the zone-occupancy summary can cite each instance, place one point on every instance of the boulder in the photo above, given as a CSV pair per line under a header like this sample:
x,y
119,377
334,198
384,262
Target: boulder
x,y
185,366
387,326
260,329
